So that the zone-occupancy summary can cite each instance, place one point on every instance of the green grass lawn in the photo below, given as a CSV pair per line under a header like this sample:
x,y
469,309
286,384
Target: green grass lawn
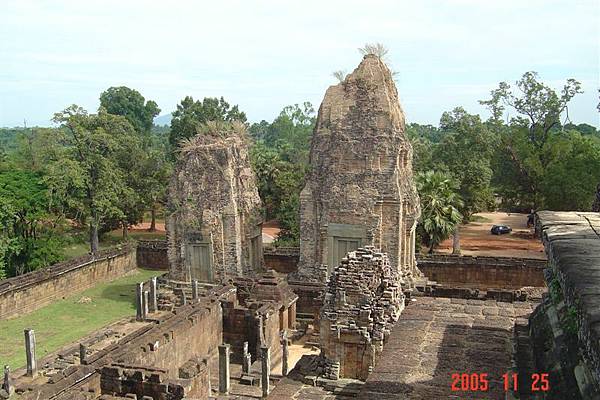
x,y
66,321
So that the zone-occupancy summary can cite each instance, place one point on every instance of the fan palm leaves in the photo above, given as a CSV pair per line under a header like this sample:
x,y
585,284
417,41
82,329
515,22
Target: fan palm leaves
x,y
439,207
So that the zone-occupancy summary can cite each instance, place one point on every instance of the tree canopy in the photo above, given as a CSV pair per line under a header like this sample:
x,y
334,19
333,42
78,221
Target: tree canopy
x,y
527,138
25,241
440,204
191,114
95,162
130,104
279,157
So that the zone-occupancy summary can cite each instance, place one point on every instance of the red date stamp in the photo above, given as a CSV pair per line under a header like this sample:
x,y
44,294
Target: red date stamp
x,y
479,382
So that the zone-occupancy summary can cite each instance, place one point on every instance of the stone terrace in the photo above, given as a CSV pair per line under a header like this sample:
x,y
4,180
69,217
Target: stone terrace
x,y
572,242
433,339
437,337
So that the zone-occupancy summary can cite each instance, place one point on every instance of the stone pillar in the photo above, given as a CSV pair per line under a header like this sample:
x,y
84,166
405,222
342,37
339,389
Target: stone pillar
x,y
183,298
266,370
153,306
145,301
285,353
292,316
246,359
82,353
224,383
261,329
139,294
195,290
30,352
6,383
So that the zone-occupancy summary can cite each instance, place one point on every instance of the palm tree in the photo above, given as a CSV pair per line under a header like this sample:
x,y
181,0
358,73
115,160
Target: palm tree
x,y
439,207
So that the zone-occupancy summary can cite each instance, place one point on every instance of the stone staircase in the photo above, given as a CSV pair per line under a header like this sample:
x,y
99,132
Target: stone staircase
x,y
523,363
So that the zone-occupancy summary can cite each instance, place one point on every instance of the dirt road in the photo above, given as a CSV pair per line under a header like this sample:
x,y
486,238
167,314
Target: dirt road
x,y
476,239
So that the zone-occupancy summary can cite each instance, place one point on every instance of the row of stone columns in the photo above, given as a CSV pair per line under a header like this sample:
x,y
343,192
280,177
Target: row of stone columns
x,y
146,301
31,362
265,353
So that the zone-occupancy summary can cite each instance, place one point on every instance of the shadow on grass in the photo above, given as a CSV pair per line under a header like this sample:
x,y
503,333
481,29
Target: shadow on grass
x,y
124,292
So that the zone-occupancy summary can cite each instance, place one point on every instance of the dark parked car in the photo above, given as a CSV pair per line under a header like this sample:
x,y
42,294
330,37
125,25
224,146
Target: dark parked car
x,y
501,229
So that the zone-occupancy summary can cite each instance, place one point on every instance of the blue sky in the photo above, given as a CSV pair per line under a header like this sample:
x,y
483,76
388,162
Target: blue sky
x,y
264,55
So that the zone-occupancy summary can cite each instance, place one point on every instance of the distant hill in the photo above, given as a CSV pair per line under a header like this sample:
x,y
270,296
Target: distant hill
x,y
163,120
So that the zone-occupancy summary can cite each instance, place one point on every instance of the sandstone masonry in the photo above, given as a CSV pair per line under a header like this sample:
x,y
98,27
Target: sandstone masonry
x,y
363,300
214,218
360,189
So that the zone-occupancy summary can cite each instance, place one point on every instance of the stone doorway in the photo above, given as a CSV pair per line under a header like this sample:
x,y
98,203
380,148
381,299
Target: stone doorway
x,y
199,256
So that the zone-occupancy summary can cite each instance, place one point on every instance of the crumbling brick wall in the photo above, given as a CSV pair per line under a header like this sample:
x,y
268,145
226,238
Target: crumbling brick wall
x,y
360,189
214,211
265,306
191,333
155,383
31,291
363,299
483,272
152,254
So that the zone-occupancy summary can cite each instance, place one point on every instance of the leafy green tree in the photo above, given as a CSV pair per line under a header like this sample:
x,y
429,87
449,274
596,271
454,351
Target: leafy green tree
x,y
26,240
267,165
155,170
526,137
279,157
148,169
584,129
574,169
130,104
425,143
8,138
440,203
259,130
466,150
34,147
92,165
291,132
191,114
7,238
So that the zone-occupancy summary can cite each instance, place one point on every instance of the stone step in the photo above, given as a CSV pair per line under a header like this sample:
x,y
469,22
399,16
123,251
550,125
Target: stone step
x,y
524,360
249,380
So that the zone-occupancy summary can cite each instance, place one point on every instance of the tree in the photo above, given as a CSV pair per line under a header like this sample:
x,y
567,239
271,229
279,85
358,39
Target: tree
x,y
279,157
466,151
92,164
538,109
130,104
26,240
155,171
148,175
574,168
439,207
191,114
425,143
291,131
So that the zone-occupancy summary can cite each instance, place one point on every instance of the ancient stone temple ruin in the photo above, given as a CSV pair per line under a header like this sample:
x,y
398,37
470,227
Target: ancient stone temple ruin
x,y
214,212
360,189
363,300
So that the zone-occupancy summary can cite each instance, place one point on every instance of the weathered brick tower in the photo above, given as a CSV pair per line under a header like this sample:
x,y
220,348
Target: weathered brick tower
x,y
360,190
214,212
